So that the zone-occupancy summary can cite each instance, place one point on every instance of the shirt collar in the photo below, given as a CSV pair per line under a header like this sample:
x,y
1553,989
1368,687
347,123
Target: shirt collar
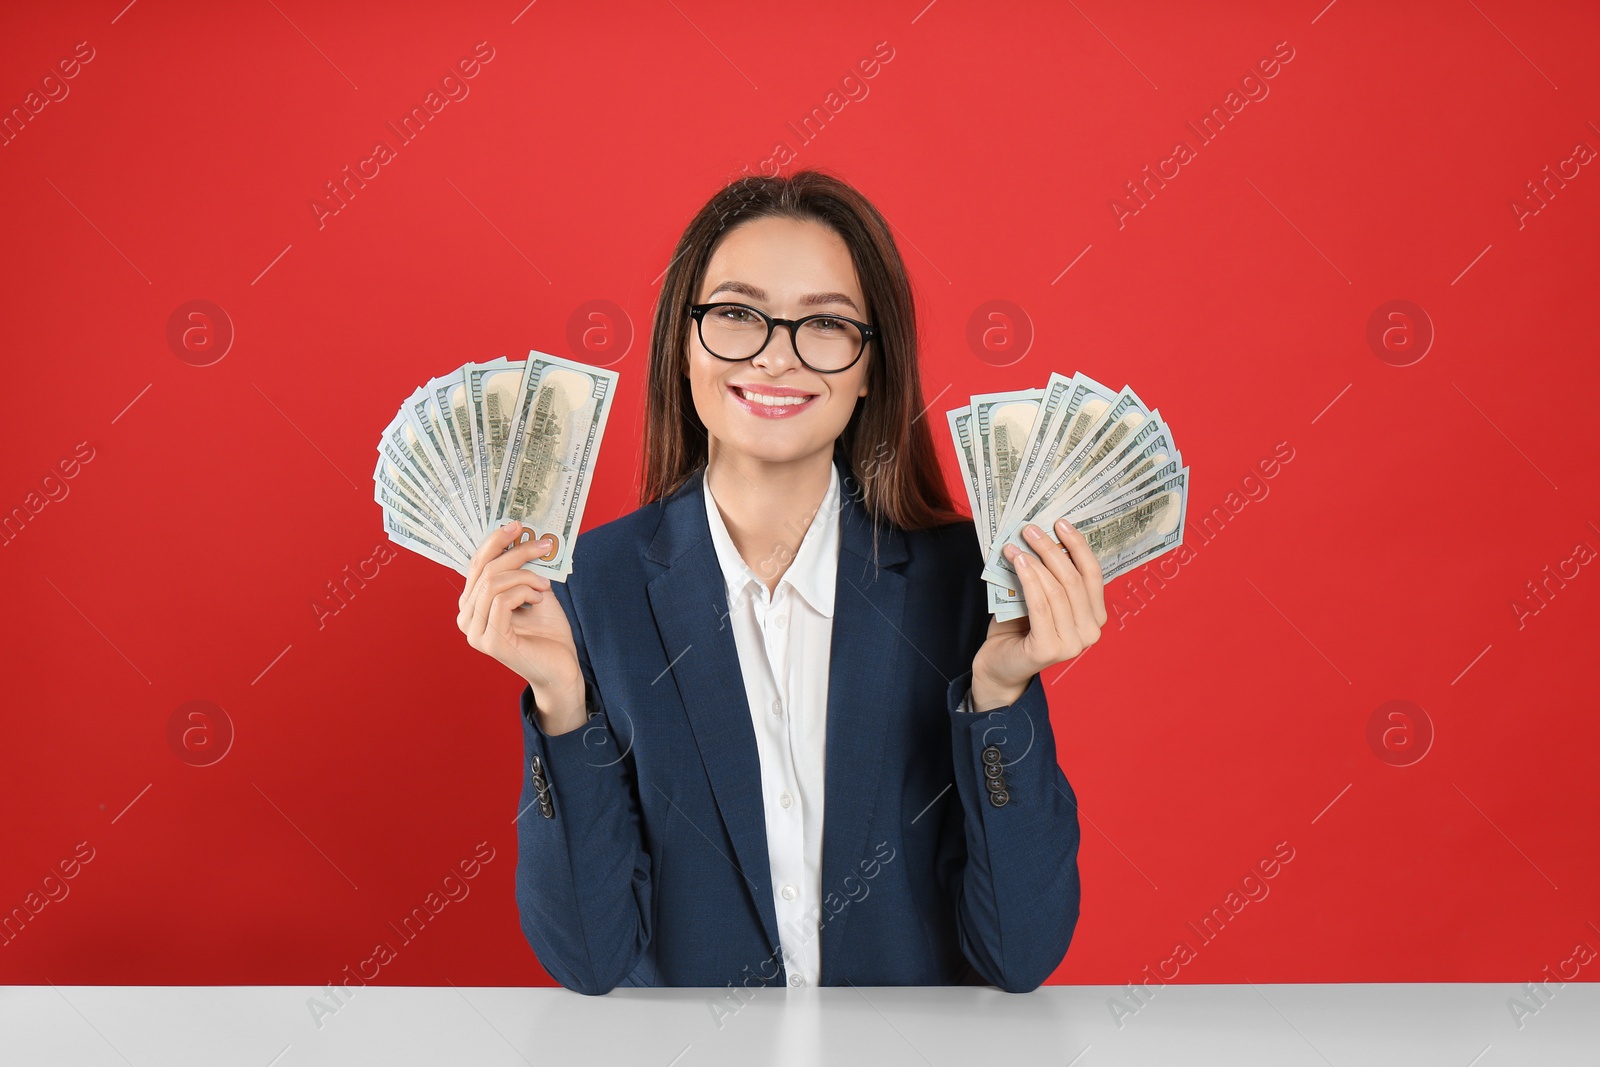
x,y
813,573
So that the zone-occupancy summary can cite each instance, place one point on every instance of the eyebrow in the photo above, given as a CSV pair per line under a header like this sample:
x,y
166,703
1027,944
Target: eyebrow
x,y
809,300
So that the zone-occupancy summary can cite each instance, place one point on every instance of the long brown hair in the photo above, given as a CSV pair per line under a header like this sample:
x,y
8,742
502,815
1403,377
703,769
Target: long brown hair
x,y
887,445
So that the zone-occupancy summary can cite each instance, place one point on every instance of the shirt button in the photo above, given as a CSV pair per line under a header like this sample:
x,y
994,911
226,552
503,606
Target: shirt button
x,y
796,980
788,892
777,707
784,800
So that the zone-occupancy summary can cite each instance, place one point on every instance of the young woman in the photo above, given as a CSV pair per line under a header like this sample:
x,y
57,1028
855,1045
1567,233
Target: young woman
x,y
772,734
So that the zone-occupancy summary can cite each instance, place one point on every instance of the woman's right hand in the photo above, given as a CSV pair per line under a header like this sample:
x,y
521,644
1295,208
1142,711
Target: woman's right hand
x,y
513,615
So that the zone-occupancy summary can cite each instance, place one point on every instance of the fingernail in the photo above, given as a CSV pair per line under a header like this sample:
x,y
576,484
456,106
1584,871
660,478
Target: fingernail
x,y
1031,532
1020,559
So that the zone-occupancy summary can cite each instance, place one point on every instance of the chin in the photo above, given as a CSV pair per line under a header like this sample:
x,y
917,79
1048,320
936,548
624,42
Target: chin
x,y
771,452
775,448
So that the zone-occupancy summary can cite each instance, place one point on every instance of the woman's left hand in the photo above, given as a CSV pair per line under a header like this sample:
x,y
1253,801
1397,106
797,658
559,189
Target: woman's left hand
x,y
1064,591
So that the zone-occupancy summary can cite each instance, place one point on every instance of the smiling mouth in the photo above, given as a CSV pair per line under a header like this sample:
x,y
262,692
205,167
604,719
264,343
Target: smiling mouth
x,y
768,400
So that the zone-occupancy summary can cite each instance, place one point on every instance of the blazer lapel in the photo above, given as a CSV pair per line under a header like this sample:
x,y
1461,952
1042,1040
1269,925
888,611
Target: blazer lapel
x,y
689,602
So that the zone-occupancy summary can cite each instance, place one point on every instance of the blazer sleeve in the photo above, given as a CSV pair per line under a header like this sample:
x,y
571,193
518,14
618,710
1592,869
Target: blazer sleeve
x,y
583,874
1017,893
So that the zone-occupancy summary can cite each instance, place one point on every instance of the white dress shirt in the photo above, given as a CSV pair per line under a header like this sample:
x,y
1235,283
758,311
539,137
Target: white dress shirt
x,y
784,640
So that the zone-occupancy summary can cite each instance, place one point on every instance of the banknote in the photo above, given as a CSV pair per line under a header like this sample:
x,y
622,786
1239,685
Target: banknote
x,y
492,398
1148,440
960,420
1070,407
491,442
1101,427
556,426
1000,424
1086,517
412,473
1073,449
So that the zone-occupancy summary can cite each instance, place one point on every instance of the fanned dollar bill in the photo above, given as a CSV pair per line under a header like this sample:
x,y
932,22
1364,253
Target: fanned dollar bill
x,y
1000,424
488,443
1073,449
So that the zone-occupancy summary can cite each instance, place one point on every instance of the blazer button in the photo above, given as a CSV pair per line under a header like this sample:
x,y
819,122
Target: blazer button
x,y
546,809
996,785
991,754
993,770
1000,798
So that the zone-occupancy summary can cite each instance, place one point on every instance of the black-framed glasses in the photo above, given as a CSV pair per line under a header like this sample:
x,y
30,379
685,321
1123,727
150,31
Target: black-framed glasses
x,y
826,343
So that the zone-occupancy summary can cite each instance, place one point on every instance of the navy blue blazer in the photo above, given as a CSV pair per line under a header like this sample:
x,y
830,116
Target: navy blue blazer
x,y
950,838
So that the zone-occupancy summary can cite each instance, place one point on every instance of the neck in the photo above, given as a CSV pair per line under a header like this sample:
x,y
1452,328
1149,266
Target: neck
x,y
767,507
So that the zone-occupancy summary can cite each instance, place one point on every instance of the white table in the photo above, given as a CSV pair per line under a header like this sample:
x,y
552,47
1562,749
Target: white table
x,y
1455,1025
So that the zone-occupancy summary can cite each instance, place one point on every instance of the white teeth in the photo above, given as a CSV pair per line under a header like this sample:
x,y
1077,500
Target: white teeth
x,y
772,401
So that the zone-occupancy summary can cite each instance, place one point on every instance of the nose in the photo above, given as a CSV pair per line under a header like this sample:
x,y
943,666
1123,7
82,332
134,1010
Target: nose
x,y
781,351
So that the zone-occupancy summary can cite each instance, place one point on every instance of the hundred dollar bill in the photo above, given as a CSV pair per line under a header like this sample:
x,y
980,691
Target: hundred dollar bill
x,y
406,521
422,411
404,445
1135,528
561,413
1073,449
404,535
1089,507
439,500
1001,424
1007,603
961,434
1013,610
1152,468
960,420
394,486
1056,392
450,396
408,529
1070,407
1050,445
1138,527
1120,418
1155,466
464,416
1147,440
492,394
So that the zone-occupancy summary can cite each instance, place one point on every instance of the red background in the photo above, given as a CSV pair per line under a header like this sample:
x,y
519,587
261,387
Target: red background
x,y
1228,712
